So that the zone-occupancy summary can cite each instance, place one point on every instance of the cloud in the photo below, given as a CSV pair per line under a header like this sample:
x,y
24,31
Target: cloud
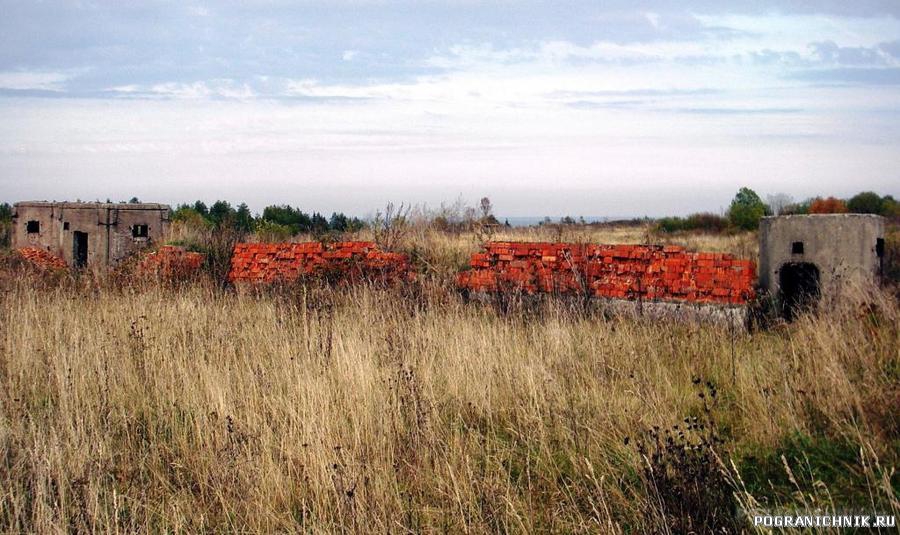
x,y
738,111
212,89
830,52
892,48
850,75
41,81
309,99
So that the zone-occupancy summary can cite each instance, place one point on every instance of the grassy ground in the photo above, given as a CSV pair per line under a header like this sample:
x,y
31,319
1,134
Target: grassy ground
x,y
126,408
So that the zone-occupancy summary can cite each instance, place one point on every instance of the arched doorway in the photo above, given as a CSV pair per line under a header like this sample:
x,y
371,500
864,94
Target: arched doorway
x,y
799,282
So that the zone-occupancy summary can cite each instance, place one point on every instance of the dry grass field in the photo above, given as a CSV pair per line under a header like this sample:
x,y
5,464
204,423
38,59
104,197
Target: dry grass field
x,y
151,407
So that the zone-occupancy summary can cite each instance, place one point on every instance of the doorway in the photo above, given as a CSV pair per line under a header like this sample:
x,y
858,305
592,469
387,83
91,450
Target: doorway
x,y
79,249
799,283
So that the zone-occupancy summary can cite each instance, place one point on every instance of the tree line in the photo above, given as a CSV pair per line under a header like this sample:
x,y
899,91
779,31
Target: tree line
x,y
282,220
747,208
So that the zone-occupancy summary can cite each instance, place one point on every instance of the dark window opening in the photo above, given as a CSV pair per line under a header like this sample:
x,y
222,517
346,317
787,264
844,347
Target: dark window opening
x,y
800,292
797,247
79,249
33,227
879,247
140,231
66,225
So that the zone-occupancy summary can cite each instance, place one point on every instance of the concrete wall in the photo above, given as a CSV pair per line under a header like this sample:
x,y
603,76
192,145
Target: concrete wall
x,y
108,226
842,246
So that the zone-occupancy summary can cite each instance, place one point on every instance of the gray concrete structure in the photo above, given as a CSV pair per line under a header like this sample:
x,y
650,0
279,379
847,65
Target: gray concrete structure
x,y
89,234
809,257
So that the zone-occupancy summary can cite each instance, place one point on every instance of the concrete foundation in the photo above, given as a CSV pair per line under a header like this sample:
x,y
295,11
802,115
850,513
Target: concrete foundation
x,y
89,234
736,317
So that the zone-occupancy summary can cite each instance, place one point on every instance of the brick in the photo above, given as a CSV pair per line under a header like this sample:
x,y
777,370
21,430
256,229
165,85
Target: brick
x,y
170,262
654,271
41,258
350,261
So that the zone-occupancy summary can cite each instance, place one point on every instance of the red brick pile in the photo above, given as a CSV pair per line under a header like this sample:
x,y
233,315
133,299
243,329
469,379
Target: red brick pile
x,y
41,258
653,272
351,261
170,262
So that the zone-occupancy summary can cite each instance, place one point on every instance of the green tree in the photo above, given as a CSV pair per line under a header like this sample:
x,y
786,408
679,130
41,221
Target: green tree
x,y
243,219
338,222
5,212
200,208
221,214
318,223
866,202
355,225
746,210
287,216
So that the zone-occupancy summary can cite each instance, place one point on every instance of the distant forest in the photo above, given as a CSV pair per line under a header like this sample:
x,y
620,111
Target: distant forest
x,y
276,218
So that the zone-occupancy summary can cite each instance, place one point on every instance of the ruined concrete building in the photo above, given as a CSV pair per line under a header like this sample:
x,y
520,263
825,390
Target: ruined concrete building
x,y
89,234
805,258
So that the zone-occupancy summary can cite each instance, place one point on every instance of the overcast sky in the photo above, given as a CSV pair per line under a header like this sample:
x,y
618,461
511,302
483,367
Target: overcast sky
x,y
613,108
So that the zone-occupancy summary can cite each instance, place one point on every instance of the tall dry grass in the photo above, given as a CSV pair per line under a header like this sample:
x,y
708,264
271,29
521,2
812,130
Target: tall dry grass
x,y
406,410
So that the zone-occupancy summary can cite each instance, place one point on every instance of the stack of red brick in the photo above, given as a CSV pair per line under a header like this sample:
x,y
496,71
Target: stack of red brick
x,y
343,261
41,258
653,272
170,262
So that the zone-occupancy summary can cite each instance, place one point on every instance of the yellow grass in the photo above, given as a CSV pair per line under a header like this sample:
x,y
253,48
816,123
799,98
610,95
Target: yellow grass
x,y
404,410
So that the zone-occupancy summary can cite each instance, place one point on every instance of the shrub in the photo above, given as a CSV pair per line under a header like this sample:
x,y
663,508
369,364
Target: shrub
x,y
670,224
798,208
705,222
5,233
891,263
831,205
270,231
890,207
867,202
689,491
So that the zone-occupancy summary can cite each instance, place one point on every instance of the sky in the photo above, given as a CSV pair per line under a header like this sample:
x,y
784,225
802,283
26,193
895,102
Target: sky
x,y
615,108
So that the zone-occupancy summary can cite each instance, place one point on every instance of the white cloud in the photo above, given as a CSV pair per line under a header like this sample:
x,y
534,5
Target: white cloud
x,y
23,80
228,89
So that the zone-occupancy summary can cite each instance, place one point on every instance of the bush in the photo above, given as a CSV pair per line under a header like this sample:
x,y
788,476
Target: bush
x,y
270,231
705,222
867,202
690,493
798,208
891,263
831,205
5,233
5,224
670,224
890,208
